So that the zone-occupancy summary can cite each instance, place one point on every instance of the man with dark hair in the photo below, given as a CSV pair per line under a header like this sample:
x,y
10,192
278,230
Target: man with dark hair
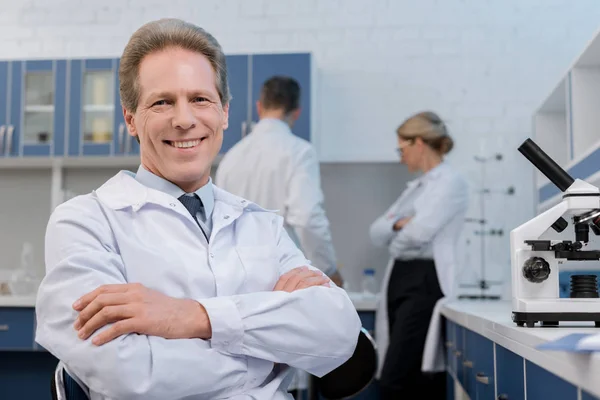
x,y
278,170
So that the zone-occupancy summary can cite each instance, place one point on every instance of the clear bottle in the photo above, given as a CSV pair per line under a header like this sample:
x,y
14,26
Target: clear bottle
x,y
25,280
369,285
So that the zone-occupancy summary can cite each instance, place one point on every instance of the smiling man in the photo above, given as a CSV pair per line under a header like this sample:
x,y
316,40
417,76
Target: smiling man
x,y
160,285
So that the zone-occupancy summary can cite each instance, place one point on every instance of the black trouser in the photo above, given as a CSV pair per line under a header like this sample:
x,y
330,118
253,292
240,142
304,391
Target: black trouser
x,y
412,293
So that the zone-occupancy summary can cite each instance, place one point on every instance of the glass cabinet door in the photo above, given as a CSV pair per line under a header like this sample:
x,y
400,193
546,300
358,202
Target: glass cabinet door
x,y
37,101
96,123
98,106
39,107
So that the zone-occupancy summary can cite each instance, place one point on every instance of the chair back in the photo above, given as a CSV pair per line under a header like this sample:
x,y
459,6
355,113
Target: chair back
x,y
64,387
355,375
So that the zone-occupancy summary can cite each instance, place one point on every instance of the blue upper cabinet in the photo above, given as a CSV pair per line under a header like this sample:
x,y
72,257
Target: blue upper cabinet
x,y
33,122
96,125
297,66
237,74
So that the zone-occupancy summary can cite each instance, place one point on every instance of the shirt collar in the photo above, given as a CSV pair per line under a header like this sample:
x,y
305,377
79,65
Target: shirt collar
x,y
155,182
271,123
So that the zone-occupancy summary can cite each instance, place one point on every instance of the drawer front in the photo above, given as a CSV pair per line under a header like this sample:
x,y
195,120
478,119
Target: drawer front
x,y
470,363
509,374
483,368
587,396
544,385
16,328
450,346
459,354
449,387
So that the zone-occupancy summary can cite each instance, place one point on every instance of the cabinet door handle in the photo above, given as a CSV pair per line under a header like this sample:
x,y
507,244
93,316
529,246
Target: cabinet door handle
x,y
457,353
4,327
449,344
481,378
468,364
8,139
2,136
502,397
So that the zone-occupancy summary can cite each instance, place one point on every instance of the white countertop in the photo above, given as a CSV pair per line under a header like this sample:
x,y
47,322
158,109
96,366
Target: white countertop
x,y
492,319
362,302
17,301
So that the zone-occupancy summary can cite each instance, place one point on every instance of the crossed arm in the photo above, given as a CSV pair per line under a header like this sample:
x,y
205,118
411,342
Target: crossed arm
x,y
150,346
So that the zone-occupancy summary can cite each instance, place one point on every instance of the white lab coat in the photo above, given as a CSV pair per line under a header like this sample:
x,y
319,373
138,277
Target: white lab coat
x,y
280,171
126,232
438,210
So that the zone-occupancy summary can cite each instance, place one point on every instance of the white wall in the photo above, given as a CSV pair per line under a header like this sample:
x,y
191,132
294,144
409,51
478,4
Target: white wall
x,y
484,65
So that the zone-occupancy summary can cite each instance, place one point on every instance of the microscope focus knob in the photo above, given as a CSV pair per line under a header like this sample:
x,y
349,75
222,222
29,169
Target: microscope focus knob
x,y
536,269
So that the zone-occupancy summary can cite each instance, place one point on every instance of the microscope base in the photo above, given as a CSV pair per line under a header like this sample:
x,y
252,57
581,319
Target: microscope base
x,y
529,319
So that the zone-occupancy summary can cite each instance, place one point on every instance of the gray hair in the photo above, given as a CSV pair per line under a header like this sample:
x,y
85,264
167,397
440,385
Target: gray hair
x,y
159,35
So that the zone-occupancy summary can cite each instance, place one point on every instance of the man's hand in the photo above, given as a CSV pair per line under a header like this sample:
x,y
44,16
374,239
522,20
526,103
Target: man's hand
x,y
300,278
133,308
401,222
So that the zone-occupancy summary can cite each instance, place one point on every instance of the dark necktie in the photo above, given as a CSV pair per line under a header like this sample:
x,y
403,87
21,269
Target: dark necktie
x,y
194,205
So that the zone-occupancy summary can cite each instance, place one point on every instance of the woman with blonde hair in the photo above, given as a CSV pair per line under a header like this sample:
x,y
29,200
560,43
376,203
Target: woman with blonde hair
x,y
420,231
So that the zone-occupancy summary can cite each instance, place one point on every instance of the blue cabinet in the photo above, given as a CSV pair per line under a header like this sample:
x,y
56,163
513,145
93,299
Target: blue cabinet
x,y
239,115
483,367
480,361
543,385
73,107
16,328
510,379
96,124
587,396
297,66
450,347
33,98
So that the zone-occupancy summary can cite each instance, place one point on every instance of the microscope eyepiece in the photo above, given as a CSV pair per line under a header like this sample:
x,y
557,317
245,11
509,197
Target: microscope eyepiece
x,y
546,165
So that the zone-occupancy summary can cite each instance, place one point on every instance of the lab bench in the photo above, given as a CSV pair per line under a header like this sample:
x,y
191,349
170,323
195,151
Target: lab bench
x,y
26,368
489,357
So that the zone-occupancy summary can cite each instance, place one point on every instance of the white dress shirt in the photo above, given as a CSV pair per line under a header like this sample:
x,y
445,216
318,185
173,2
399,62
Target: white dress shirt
x,y
127,232
280,171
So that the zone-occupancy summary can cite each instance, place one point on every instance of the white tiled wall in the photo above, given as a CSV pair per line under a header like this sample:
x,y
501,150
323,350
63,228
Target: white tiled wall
x,y
482,64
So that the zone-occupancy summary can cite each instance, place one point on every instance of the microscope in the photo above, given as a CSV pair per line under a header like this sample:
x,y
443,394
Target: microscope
x,y
535,263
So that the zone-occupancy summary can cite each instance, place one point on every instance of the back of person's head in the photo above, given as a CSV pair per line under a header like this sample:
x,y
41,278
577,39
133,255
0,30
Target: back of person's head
x,y
280,93
428,126
160,35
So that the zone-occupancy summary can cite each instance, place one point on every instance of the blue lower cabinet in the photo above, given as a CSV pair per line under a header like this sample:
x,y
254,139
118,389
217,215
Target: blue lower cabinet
x,y
587,396
459,354
16,328
26,375
509,374
449,387
450,346
544,385
483,368
470,363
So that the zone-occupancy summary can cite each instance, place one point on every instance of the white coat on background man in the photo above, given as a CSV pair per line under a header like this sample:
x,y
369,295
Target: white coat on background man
x,y
280,171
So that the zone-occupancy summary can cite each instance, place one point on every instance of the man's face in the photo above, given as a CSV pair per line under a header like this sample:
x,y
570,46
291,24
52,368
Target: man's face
x,y
179,119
